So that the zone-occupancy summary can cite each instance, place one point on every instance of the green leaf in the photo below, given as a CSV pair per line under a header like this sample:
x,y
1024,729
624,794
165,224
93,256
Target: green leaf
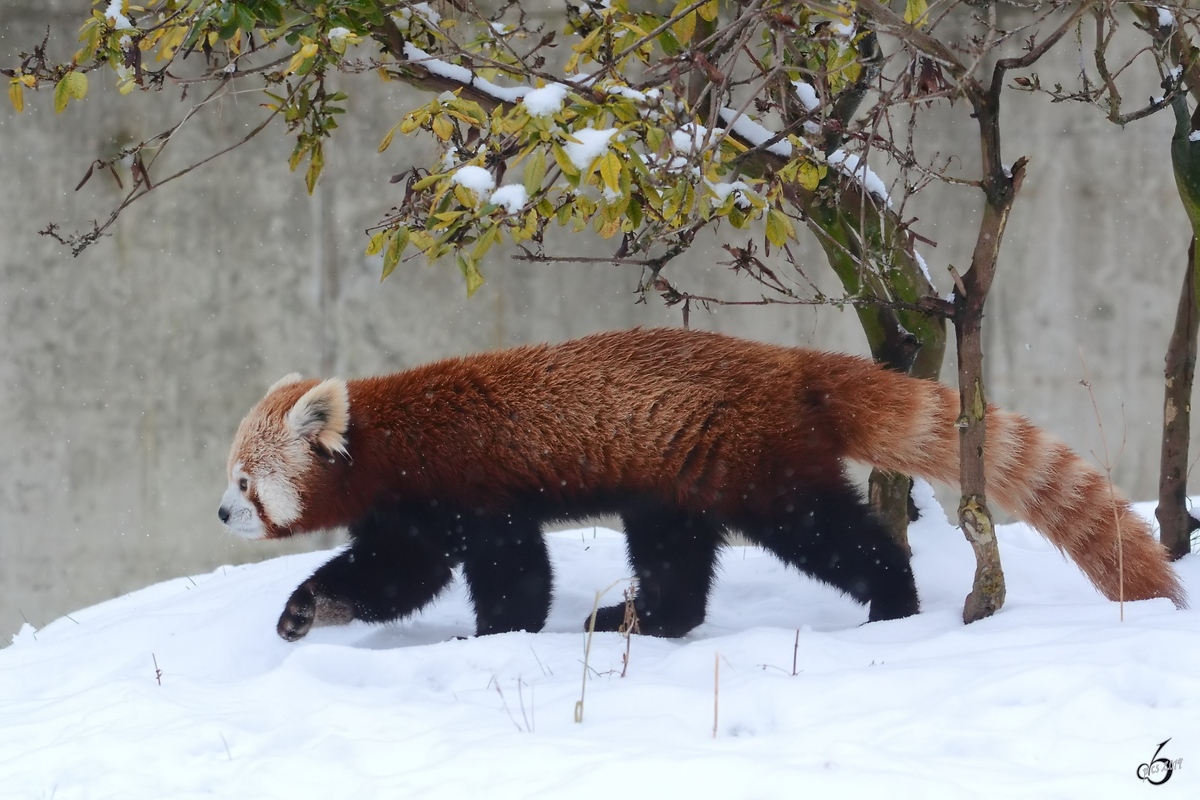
x,y
61,95
535,172
634,213
395,249
316,163
484,242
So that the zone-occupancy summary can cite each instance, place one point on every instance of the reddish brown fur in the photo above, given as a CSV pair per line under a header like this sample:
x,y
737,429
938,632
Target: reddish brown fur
x,y
701,420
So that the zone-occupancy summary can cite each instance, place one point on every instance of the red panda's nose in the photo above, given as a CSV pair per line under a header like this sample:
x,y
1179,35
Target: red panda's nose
x,y
223,513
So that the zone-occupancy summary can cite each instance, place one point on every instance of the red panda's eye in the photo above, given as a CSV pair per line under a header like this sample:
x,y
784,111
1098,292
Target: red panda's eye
x,y
243,484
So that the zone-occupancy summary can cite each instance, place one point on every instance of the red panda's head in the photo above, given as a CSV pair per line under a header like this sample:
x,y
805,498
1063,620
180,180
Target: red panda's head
x,y
297,422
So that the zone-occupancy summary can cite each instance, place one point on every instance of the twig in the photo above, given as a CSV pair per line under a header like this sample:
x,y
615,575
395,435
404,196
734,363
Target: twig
x,y
503,701
1108,465
587,648
630,626
539,662
716,689
795,652
157,671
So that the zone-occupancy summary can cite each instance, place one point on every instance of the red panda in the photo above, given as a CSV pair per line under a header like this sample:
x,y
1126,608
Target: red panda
x,y
686,435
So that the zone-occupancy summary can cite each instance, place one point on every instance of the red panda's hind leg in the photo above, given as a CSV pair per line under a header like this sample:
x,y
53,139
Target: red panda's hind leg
x,y
833,535
673,554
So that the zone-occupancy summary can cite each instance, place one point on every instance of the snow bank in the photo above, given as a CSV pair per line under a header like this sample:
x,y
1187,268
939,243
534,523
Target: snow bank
x,y
1052,697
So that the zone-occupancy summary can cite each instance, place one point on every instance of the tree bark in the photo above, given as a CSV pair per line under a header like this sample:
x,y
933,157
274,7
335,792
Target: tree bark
x,y
1174,521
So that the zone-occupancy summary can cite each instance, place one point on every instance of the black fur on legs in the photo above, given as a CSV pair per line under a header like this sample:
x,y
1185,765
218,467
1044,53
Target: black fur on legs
x,y
392,568
835,537
508,573
673,554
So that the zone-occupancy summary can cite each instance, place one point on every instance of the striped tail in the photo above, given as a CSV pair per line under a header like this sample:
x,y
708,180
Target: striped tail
x,y
1030,474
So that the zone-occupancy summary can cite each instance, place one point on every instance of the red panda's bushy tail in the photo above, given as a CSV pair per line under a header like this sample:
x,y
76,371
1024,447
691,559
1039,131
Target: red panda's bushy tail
x,y
1030,474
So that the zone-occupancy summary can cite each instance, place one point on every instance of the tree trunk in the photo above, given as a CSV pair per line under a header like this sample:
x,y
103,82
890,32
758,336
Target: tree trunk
x,y
1000,188
1175,523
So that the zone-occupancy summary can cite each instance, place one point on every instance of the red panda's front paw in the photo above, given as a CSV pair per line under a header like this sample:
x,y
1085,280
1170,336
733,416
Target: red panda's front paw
x,y
298,614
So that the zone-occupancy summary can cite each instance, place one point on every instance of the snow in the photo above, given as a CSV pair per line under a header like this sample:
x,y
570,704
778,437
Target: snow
x,y
1194,136
923,266
754,133
512,196
692,137
1051,697
431,16
628,93
477,179
807,94
1165,18
547,101
591,144
737,188
113,12
455,72
848,164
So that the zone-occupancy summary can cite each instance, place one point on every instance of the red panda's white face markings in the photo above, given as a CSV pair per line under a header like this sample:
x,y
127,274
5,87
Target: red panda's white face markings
x,y
274,450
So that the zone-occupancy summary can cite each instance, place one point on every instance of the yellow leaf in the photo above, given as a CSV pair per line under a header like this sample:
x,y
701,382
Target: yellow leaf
x,y
16,93
471,272
303,54
686,26
375,246
465,196
779,228
421,239
610,228
387,139
564,161
810,174
77,84
709,10
610,171
442,127
914,12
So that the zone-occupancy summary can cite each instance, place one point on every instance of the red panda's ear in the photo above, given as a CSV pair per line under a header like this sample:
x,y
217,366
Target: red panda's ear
x,y
321,415
291,377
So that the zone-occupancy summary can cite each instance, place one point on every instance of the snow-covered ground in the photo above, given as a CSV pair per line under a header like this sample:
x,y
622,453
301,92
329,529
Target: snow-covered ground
x,y
1052,697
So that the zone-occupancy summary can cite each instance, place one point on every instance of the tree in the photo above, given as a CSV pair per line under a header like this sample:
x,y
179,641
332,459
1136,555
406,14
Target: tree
x,y
647,122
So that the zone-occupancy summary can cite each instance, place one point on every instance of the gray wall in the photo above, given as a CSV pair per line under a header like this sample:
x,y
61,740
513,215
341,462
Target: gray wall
x,y
124,372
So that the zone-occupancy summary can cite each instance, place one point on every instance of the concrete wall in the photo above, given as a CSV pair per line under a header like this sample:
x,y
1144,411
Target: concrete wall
x,y
124,373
